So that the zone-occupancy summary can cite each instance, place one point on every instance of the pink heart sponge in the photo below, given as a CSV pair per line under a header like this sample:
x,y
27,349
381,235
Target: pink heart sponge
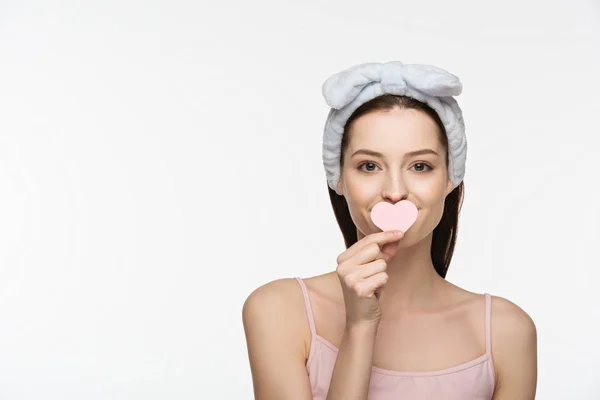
x,y
394,216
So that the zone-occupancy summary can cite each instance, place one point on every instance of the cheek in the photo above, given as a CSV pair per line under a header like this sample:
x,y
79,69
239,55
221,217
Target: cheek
x,y
360,194
431,211
433,214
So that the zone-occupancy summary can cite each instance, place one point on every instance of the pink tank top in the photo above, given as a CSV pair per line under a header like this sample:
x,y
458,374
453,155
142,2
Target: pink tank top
x,y
473,380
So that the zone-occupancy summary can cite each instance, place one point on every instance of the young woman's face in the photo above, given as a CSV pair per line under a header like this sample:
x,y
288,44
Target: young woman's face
x,y
395,175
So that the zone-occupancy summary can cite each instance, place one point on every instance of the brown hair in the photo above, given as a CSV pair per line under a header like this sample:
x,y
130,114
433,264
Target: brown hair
x,y
444,234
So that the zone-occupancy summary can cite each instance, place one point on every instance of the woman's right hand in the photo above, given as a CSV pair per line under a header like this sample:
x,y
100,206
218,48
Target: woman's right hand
x,y
361,271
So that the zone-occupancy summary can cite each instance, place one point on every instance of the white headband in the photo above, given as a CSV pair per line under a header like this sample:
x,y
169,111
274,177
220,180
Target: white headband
x,y
345,91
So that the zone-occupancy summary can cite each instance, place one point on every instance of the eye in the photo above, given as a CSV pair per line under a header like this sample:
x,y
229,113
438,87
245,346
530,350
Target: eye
x,y
425,164
364,163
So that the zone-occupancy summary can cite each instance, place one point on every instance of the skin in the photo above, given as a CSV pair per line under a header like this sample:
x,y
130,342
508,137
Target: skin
x,y
422,179
425,318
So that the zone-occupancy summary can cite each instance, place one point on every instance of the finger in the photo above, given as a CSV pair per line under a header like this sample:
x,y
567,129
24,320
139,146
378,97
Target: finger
x,y
389,250
379,238
367,287
378,291
368,254
367,270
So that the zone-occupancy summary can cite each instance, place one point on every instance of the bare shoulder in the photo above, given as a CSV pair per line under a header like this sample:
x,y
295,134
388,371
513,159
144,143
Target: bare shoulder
x,y
275,337
513,330
273,301
509,315
273,290
278,306
514,350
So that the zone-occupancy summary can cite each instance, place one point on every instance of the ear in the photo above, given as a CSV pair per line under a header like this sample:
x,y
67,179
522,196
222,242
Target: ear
x,y
449,186
339,187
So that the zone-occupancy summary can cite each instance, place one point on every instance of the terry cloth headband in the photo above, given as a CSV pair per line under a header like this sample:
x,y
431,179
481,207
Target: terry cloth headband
x,y
345,91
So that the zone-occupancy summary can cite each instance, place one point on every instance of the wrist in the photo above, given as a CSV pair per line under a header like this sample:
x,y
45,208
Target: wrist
x,y
361,328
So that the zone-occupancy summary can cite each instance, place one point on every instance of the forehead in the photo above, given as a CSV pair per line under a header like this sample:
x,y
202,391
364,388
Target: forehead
x,y
395,130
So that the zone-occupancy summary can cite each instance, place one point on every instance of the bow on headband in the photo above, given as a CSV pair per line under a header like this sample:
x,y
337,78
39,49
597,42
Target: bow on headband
x,y
341,88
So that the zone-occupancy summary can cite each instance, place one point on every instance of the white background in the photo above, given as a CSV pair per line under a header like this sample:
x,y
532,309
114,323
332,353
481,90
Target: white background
x,y
159,160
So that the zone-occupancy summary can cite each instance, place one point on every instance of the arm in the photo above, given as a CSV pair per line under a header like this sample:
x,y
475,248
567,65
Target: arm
x,y
276,350
514,350
352,372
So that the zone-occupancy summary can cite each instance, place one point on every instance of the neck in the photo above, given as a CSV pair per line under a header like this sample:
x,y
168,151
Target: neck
x,y
412,280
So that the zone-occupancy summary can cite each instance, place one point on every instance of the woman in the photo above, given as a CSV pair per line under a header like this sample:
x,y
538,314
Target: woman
x,y
386,324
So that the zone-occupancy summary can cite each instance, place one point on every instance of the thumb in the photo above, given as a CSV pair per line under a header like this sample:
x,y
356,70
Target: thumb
x,y
389,249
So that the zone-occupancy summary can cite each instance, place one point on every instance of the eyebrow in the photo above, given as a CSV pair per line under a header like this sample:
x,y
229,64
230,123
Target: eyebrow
x,y
378,154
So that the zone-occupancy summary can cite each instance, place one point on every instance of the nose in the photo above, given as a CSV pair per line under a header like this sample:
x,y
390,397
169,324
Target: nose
x,y
394,189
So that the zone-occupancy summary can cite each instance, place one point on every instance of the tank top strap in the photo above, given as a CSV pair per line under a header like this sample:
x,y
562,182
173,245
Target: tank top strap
x,y
488,323
311,318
